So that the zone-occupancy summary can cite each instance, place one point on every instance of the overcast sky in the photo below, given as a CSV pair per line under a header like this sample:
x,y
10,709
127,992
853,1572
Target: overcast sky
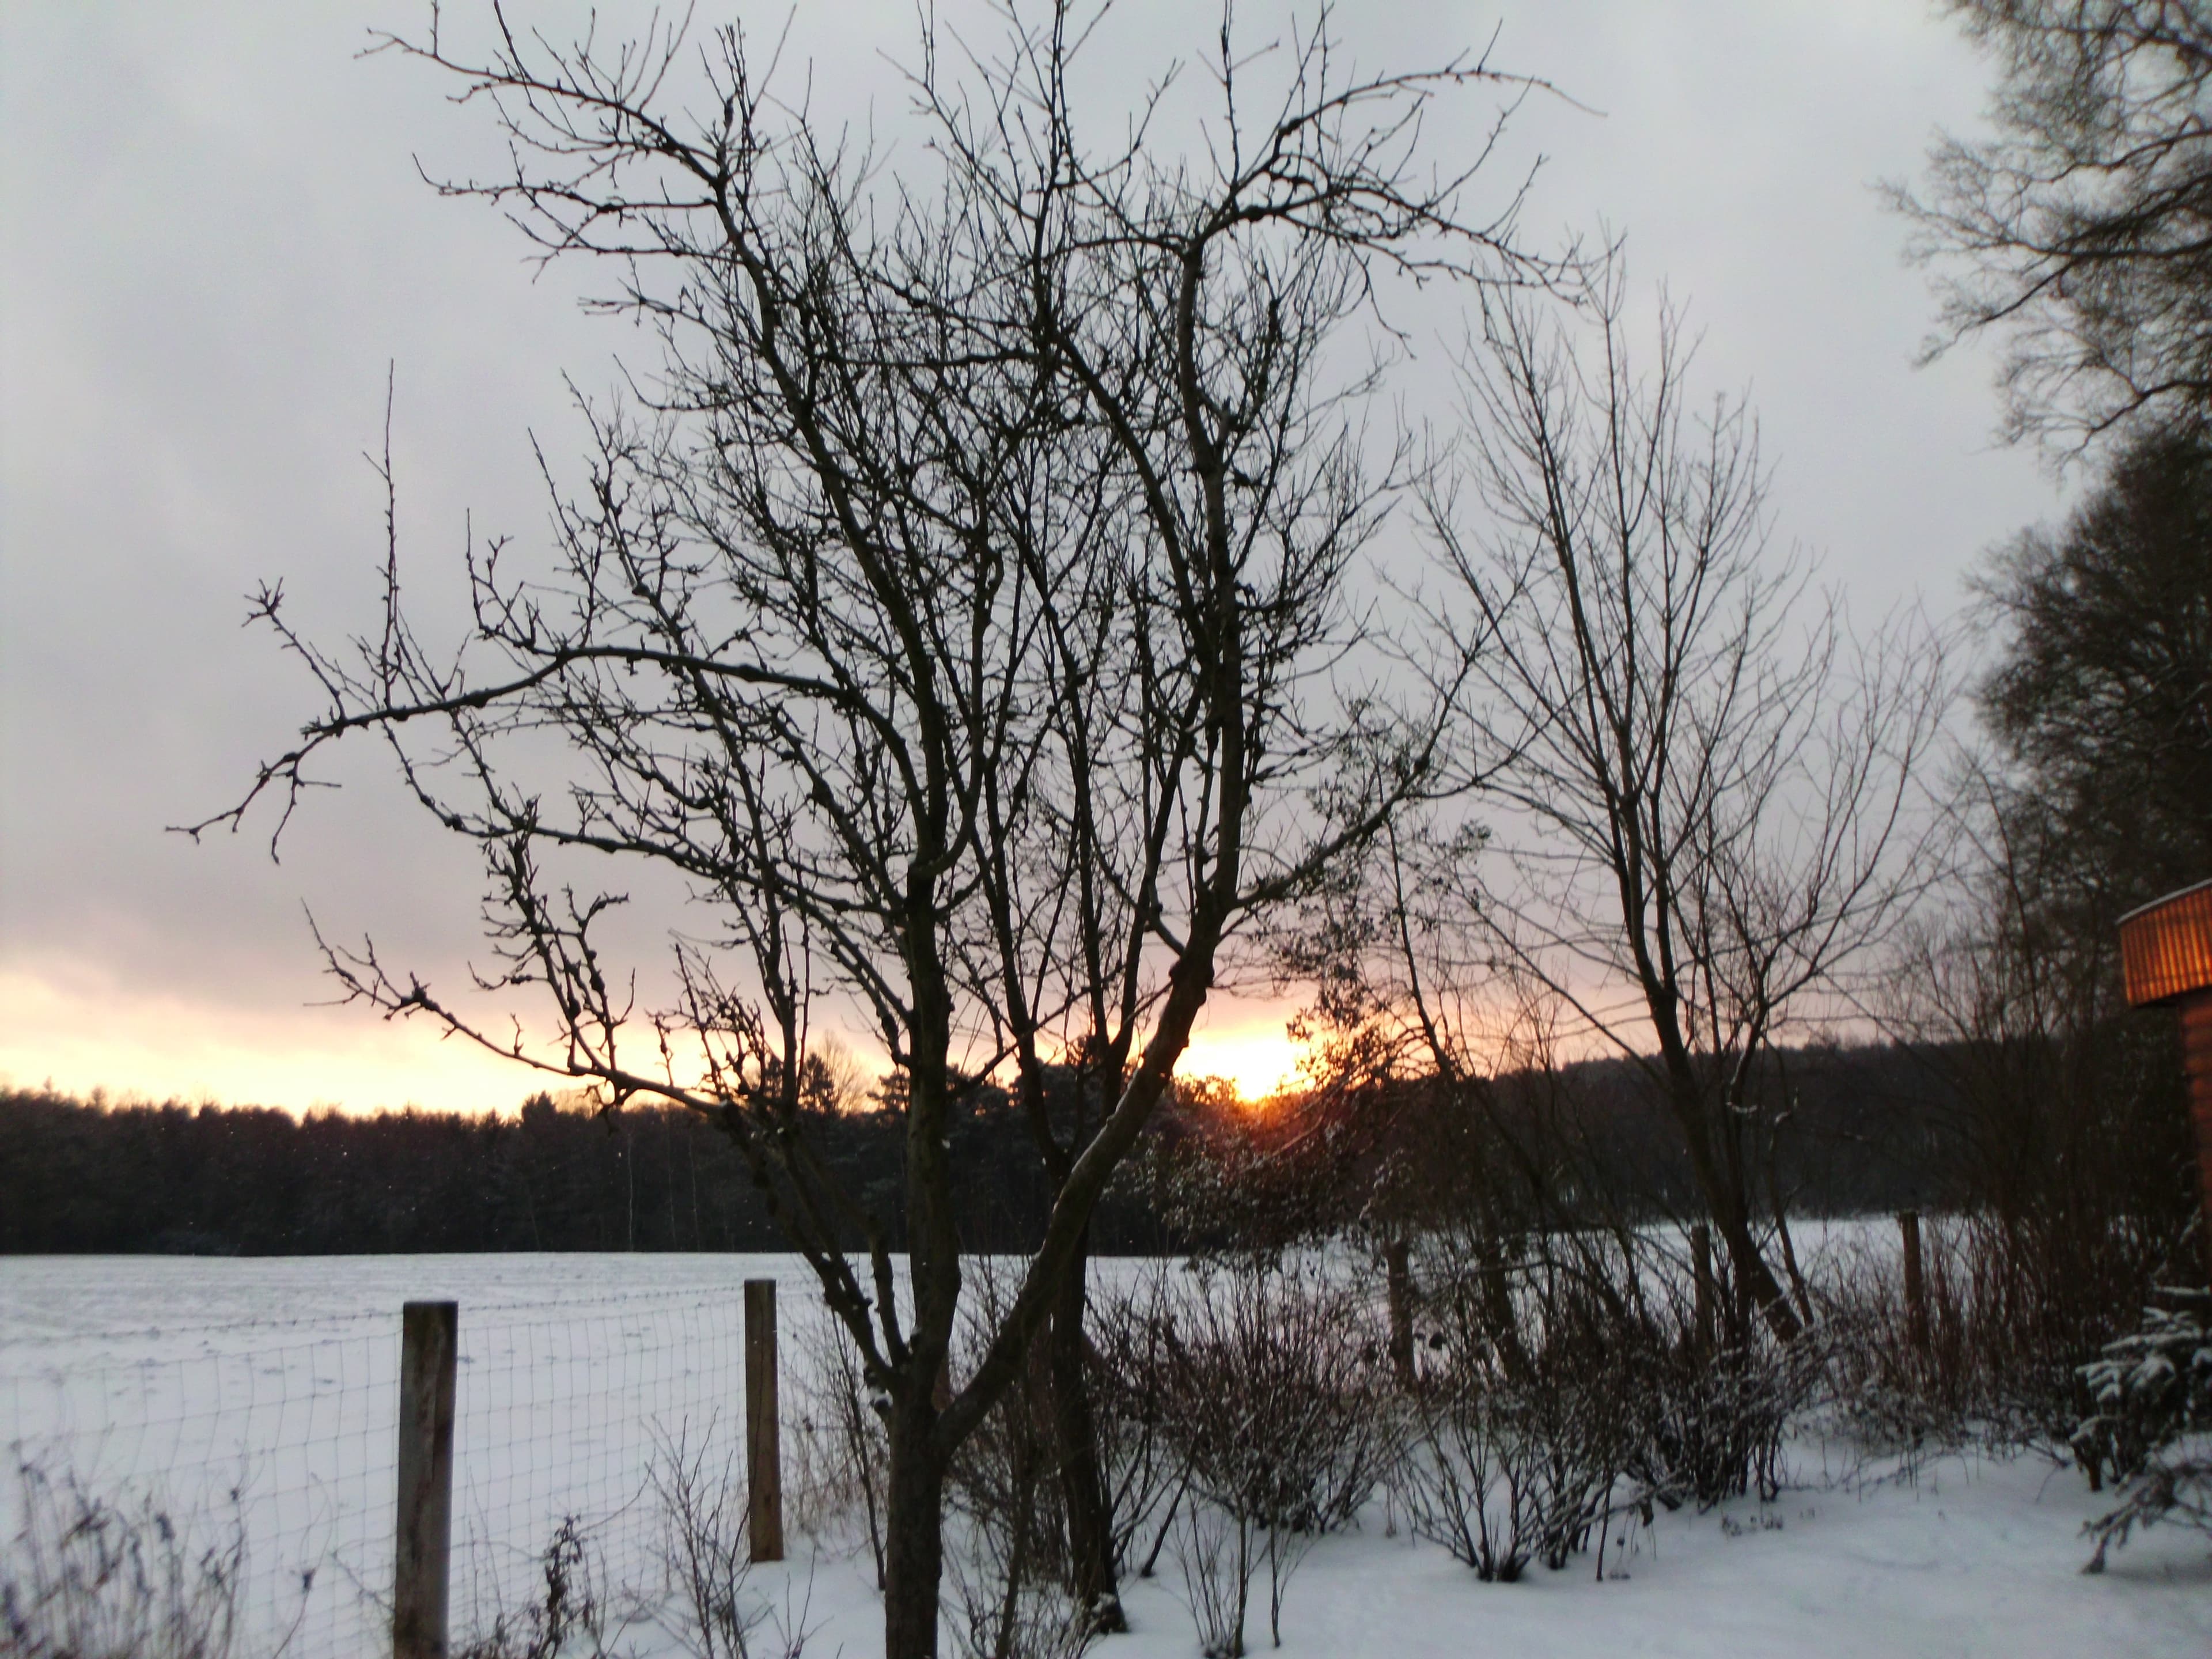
x,y
213,241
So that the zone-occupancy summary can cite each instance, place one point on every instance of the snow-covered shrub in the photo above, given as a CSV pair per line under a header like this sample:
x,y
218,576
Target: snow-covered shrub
x,y
1566,1378
2150,1387
1714,1423
2169,1487
1276,1392
1527,1410
1276,1398
2152,1390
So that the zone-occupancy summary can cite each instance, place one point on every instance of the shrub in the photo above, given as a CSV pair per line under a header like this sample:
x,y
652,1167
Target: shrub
x,y
842,1454
2014,1308
1276,1391
1527,1410
1215,1553
1567,1380
706,1553
2152,1390
1714,1425
89,1578
1131,1329
571,1617
1006,1560
1275,1394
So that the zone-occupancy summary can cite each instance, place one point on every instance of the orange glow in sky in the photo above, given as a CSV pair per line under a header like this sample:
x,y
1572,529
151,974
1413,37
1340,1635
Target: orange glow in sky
x,y
80,1031
80,1034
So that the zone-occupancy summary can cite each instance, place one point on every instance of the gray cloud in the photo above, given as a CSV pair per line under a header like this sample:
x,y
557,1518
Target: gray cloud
x,y
216,240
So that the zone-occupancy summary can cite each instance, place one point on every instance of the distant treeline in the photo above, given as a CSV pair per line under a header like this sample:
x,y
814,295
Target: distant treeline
x,y
92,1177
1869,1128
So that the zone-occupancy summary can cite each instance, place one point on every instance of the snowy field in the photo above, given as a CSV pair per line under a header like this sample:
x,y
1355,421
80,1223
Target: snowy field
x,y
187,1381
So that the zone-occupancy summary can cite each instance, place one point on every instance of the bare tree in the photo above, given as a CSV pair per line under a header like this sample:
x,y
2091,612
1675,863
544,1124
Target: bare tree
x,y
2094,795
964,622
1707,795
2081,229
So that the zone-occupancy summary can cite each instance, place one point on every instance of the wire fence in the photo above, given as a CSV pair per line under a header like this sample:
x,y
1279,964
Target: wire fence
x,y
252,1464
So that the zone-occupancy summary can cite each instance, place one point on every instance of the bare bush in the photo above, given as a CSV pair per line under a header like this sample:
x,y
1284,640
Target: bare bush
x,y
1278,1392
2014,1308
1465,1482
1277,1395
1901,1389
1564,1380
1714,1395
1011,1580
702,1603
705,1552
1717,1423
90,1578
1002,1607
1145,1470
1215,1551
843,1448
572,1618
1527,1414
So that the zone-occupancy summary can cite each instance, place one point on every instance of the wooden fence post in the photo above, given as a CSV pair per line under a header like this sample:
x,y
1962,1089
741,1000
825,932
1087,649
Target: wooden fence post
x,y
1916,1287
428,1337
764,1439
1701,1268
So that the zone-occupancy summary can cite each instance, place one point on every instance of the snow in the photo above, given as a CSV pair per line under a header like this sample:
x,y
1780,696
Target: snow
x,y
189,1376
1978,1558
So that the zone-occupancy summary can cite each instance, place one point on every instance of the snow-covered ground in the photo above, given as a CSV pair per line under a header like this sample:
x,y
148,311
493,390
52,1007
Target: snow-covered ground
x,y
186,1379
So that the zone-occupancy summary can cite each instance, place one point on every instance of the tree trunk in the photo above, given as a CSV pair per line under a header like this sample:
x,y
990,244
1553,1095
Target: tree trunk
x,y
1398,1280
913,1507
1502,1318
914,1539
1082,1482
1754,1277
1729,1206
1703,1290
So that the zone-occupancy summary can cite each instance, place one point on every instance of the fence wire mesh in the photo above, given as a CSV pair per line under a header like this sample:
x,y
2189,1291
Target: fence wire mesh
x,y
263,1454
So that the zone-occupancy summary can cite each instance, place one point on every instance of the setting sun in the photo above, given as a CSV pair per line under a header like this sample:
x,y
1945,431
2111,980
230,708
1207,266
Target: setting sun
x,y
1246,1043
